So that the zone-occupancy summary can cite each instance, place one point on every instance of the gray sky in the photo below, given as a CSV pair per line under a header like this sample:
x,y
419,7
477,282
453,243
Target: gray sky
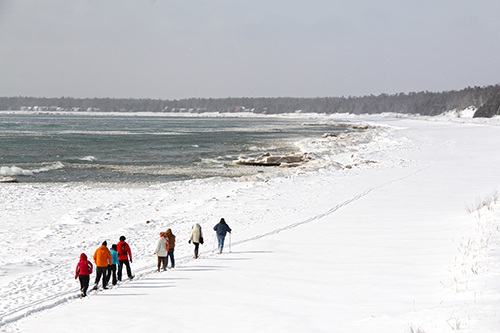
x,y
175,49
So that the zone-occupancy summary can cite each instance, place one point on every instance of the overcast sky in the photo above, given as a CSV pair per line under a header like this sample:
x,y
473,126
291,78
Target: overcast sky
x,y
172,49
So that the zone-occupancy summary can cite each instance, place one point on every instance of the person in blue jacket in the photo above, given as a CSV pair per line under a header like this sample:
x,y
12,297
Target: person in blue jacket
x,y
112,266
221,229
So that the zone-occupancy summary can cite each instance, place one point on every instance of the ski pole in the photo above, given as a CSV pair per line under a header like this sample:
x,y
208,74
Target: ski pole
x,y
229,242
213,243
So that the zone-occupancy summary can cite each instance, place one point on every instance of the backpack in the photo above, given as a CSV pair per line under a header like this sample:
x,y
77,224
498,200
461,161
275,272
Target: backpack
x,y
90,267
123,249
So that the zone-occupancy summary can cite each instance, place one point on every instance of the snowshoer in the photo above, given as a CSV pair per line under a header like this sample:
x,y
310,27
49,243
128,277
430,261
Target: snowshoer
x,y
171,244
102,258
124,257
221,229
83,271
161,251
197,238
112,267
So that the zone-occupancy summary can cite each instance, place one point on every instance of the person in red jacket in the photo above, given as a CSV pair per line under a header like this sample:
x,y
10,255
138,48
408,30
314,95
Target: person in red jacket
x,y
124,255
83,271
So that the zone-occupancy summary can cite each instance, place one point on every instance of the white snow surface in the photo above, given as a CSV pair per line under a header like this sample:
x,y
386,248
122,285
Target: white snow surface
x,y
400,235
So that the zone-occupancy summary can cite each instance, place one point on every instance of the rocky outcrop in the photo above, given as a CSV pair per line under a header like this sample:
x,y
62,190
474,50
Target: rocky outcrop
x,y
8,180
269,160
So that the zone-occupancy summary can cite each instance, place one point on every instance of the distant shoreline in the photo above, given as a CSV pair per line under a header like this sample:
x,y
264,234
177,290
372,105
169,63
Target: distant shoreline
x,y
412,103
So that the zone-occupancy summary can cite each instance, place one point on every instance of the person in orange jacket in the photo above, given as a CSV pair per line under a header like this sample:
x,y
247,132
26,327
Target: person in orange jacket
x,y
83,271
124,255
102,258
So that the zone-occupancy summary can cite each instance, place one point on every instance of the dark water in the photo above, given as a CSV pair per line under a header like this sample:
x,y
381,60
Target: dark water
x,y
111,148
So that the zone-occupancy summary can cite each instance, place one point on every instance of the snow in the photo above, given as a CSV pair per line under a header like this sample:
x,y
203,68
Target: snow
x,y
401,234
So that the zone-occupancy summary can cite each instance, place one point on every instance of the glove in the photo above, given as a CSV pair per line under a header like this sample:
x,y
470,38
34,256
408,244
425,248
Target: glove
x,y
130,259
76,277
189,241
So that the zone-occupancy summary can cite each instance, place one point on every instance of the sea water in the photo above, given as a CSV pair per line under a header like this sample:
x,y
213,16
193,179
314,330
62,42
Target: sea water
x,y
142,148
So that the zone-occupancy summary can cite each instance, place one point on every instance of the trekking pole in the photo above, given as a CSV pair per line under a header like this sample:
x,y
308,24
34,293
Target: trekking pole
x,y
213,244
229,242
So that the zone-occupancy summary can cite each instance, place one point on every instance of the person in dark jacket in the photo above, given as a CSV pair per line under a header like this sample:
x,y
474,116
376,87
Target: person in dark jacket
x,y
221,229
83,271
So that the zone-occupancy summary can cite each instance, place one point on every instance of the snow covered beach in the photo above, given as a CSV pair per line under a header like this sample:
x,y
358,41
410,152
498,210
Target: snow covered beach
x,y
407,242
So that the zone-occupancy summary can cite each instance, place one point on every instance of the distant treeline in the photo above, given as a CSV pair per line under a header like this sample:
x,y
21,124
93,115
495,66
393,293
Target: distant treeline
x,y
485,99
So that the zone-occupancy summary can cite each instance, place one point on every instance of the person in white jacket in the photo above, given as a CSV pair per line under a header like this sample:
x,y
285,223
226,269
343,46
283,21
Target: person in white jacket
x,y
197,238
161,251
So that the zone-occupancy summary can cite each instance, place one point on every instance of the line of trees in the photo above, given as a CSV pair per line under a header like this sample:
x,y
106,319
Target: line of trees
x,y
486,99
491,107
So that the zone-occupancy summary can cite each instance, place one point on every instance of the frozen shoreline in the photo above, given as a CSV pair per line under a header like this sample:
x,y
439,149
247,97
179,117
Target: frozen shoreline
x,y
87,149
375,223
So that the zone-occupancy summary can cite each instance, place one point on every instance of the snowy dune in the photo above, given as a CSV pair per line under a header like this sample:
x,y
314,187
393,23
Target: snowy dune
x,y
403,238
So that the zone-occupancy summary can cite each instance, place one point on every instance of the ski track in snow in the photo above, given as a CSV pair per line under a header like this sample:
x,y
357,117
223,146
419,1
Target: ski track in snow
x,y
329,212
52,288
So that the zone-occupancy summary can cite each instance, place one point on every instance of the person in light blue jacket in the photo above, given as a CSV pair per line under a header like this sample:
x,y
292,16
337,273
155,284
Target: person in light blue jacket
x,y
112,266
221,229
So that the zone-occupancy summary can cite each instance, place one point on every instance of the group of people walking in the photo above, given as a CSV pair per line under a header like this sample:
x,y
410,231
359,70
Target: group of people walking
x,y
221,229
165,249
109,262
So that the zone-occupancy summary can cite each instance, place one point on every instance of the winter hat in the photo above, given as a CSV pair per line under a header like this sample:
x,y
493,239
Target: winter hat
x,y
113,246
122,238
161,234
105,243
